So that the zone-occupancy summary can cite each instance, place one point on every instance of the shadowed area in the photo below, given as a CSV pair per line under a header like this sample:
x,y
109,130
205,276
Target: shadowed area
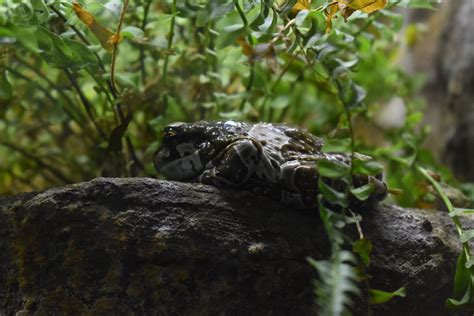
x,y
158,247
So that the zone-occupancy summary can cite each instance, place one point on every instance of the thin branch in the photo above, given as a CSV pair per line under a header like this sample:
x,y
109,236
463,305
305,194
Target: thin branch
x,y
40,87
85,102
115,50
241,13
115,90
53,86
86,42
76,30
79,34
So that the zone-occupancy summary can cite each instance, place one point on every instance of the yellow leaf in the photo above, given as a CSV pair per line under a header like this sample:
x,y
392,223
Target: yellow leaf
x,y
300,5
246,48
105,36
346,11
330,12
366,6
114,39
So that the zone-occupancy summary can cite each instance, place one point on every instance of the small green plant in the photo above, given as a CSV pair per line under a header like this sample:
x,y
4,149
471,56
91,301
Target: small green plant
x,y
87,86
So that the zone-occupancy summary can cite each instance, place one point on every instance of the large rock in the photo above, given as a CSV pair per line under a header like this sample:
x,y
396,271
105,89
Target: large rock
x,y
144,246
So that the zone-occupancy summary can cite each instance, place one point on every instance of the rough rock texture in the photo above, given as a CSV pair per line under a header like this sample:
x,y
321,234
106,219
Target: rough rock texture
x,y
144,246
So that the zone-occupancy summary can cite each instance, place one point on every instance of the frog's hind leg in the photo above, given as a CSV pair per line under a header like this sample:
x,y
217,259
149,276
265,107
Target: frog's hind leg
x,y
234,167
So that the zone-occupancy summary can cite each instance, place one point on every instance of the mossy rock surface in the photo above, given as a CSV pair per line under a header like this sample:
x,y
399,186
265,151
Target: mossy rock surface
x,y
144,246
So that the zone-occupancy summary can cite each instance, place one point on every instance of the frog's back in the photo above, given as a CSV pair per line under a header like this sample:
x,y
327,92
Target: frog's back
x,y
284,143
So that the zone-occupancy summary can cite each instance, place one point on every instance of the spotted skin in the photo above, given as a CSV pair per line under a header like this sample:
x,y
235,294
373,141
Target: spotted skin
x,y
270,159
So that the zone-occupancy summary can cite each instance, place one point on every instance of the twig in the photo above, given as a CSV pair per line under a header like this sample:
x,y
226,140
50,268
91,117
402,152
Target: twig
x,y
115,92
115,50
450,208
241,13
40,87
86,42
63,18
53,86
85,102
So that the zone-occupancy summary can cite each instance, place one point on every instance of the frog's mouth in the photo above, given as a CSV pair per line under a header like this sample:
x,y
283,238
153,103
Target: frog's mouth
x,y
181,163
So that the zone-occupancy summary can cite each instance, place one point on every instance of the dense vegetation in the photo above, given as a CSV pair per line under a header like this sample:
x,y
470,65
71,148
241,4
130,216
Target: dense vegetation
x,y
86,88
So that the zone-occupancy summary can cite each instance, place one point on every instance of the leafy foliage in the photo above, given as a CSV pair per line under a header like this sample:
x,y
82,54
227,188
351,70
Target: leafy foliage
x,y
86,87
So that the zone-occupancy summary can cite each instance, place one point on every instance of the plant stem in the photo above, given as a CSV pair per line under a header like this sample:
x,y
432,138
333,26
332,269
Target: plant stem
x,y
241,13
116,93
449,206
170,43
115,50
76,30
86,42
76,116
40,87
85,102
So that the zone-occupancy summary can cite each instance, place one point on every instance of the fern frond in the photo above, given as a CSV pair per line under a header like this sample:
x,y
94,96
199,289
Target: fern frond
x,y
336,284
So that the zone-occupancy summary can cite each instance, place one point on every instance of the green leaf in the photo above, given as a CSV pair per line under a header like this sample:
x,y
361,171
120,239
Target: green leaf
x,y
25,35
54,50
336,283
413,120
461,211
367,167
463,284
6,91
338,145
64,52
332,169
132,32
82,54
467,235
230,35
322,74
363,193
301,16
380,297
363,247
331,195
350,94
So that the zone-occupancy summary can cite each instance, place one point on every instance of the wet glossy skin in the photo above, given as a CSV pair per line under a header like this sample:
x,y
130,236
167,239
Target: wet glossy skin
x,y
273,160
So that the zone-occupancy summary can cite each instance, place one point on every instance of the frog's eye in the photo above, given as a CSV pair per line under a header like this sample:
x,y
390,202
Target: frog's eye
x,y
169,133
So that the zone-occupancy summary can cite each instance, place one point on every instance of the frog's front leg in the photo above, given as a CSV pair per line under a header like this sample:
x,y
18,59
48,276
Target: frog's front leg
x,y
234,166
299,181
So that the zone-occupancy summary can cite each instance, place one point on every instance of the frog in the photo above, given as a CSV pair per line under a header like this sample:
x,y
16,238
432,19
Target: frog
x,y
274,160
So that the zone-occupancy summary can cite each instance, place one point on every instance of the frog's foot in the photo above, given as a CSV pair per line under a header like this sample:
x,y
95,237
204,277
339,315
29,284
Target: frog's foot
x,y
380,190
299,183
299,177
234,167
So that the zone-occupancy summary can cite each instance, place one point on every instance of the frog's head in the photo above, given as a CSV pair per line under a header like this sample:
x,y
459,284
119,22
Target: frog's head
x,y
188,148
